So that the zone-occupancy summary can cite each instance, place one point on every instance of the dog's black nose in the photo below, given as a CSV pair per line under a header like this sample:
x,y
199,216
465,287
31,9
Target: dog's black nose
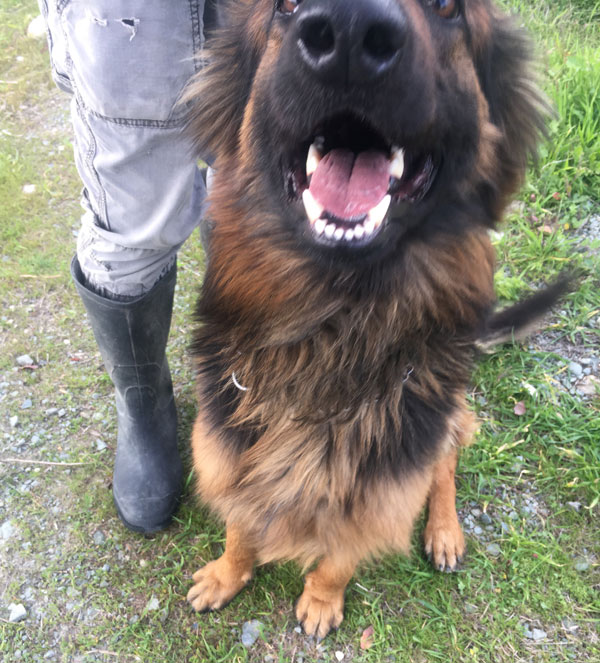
x,y
350,41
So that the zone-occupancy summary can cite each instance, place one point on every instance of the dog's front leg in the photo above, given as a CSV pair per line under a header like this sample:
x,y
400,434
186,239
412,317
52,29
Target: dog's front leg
x,y
321,605
444,540
219,581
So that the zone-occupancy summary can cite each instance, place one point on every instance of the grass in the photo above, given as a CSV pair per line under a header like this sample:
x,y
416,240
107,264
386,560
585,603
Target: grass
x,y
88,584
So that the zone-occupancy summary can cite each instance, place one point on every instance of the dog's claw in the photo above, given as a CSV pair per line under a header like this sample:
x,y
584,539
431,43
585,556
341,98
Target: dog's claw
x,y
444,546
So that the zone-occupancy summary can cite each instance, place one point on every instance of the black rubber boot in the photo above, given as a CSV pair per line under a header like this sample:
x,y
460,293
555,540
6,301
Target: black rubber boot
x,y
132,337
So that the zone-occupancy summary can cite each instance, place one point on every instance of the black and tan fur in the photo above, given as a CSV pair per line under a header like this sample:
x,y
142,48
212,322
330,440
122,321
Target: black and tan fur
x,y
354,366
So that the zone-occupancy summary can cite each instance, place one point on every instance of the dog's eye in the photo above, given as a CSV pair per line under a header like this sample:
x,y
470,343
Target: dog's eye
x,y
288,6
445,8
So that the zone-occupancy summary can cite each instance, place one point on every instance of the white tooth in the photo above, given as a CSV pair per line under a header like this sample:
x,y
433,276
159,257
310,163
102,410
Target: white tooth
x,y
312,160
359,231
369,226
397,163
377,213
312,207
339,233
320,226
329,230
349,235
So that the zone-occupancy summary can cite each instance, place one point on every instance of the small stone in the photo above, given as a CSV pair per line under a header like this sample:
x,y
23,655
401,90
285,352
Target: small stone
x,y
14,421
37,28
29,189
25,360
99,537
582,566
477,530
570,625
576,506
476,512
493,549
50,411
26,404
100,445
576,369
17,612
538,634
153,604
485,519
298,629
339,655
6,530
250,632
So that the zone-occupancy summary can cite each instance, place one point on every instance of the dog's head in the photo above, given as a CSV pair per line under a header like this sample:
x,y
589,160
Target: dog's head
x,y
354,125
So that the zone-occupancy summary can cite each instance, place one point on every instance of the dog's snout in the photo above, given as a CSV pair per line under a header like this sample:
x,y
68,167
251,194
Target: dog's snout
x,y
350,42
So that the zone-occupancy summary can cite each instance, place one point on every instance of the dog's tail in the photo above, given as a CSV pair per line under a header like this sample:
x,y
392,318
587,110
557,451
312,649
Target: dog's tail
x,y
523,318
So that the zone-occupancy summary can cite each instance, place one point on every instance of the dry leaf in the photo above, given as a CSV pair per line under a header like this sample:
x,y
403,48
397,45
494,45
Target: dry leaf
x,y
366,639
519,408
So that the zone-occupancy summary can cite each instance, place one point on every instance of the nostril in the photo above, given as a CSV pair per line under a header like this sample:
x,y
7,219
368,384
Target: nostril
x,y
381,42
317,35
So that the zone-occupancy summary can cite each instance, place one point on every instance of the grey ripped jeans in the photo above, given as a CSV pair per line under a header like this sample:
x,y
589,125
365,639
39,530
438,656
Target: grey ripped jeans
x,y
125,63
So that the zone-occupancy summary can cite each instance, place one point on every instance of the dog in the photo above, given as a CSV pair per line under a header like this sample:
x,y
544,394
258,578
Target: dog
x,y
363,150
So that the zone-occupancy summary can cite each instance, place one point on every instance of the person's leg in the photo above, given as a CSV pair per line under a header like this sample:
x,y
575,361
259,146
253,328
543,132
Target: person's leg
x,y
126,64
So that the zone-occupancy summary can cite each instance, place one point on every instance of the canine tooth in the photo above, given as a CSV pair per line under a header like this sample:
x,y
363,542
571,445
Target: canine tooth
x,y
312,160
397,163
338,234
312,207
377,213
349,235
329,230
359,231
320,226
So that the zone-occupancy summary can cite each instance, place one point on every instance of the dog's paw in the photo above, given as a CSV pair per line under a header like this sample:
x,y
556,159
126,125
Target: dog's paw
x,y
317,616
444,544
215,585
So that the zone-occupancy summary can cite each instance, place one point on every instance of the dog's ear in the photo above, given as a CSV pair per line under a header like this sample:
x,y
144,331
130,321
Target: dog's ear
x,y
504,60
215,98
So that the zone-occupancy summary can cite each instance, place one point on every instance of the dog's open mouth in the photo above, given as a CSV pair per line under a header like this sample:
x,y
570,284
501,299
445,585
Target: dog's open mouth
x,y
349,178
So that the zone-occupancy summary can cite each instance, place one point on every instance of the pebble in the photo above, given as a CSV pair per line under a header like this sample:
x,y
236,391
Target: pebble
x,y
582,566
576,506
536,634
99,537
14,421
17,612
37,28
298,629
576,369
6,530
25,360
153,604
477,530
100,445
339,655
493,549
250,632
485,519
26,404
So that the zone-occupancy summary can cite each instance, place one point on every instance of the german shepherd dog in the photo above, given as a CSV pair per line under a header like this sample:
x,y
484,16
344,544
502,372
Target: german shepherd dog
x,y
363,150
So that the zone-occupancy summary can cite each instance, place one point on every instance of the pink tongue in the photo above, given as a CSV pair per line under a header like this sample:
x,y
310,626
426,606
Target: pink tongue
x,y
348,185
